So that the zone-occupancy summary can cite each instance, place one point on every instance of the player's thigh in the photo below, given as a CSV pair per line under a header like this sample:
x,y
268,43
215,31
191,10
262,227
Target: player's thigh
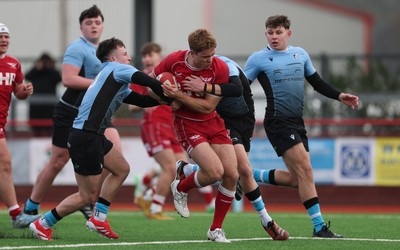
x,y
226,154
88,185
59,154
112,134
207,159
244,166
166,158
297,158
5,156
115,162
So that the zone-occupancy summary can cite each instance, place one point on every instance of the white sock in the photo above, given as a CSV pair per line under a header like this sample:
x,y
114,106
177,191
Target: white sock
x,y
99,216
264,216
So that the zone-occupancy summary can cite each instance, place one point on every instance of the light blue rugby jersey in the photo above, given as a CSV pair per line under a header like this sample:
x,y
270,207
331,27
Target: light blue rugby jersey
x,y
281,74
82,55
104,96
232,106
232,65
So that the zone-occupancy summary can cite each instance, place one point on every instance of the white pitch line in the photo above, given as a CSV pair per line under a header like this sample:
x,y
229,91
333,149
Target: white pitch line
x,y
183,242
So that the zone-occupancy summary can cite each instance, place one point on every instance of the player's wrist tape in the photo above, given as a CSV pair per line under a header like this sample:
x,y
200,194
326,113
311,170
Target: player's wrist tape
x,y
213,89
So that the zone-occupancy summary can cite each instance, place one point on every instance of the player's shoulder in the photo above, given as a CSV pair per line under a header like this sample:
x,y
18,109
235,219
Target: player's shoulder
x,y
80,45
75,44
297,49
10,62
122,66
218,62
262,52
122,69
220,68
258,55
298,52
10,59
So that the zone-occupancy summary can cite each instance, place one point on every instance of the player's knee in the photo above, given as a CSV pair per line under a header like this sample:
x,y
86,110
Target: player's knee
x,y
91,200
5,165
125,171
215,174
89,197
170,171
59,161
306,173
294,183
245,173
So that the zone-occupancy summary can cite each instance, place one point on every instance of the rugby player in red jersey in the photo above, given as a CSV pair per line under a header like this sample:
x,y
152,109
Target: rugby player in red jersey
x,y
11,81
200,130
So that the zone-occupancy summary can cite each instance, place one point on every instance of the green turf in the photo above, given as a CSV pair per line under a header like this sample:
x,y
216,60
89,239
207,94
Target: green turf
x,y
362,231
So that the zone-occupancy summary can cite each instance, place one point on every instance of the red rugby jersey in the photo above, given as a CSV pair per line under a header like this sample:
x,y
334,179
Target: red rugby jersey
x,y
10,75
217,73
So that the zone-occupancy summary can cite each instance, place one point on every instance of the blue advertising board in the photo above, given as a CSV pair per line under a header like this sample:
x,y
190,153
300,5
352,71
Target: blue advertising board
x,y
263,156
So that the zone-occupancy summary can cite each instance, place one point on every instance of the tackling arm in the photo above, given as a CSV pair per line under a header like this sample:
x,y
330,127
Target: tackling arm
x,y
139,100
206,105
231,89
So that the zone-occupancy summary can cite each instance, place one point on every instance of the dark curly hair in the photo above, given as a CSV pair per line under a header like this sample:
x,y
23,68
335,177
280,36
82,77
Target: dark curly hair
x,y
106,47
93,11
276,21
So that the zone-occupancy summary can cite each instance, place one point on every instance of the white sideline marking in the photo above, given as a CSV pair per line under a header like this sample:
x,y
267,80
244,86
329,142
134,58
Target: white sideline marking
x,y
183,242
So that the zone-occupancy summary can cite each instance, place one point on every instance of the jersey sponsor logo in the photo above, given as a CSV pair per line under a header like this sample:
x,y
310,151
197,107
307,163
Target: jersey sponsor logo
x,y
206,79
12,65
7,79
296,56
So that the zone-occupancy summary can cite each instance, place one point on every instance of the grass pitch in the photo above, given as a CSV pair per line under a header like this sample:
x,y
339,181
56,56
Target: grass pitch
x,y
361,231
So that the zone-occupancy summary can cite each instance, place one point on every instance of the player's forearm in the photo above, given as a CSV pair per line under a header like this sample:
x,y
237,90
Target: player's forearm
x,y
323,87
140,100
233,88
196,104
142,79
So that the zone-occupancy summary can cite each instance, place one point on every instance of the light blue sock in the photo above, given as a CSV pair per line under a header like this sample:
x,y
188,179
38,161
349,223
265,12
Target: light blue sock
x,y
31,206
50,219
316,217
258,204
188,169
102,208
261,176
101,211
256,200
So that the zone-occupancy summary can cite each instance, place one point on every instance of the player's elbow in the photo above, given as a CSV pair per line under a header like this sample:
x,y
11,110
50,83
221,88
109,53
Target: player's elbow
x,y
208,108
69,81
66,82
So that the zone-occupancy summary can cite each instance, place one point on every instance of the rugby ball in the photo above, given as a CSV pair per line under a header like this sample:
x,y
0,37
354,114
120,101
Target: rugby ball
x,y
167,78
